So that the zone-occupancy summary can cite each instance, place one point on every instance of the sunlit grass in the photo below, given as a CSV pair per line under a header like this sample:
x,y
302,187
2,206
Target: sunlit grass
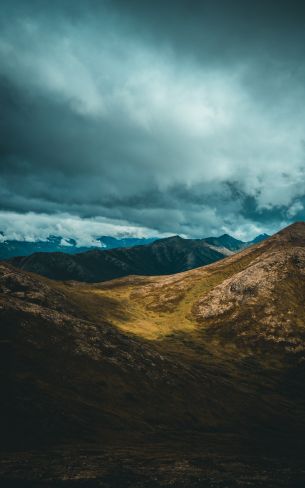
x,y
155,307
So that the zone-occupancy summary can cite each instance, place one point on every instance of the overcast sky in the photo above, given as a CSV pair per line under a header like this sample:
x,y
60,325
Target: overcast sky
x,y
151,118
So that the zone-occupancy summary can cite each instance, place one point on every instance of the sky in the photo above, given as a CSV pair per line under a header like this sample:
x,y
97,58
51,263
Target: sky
x,y
130,117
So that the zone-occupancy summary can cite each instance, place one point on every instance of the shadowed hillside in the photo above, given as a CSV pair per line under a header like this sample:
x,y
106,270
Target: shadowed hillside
x,y
164,256
217,351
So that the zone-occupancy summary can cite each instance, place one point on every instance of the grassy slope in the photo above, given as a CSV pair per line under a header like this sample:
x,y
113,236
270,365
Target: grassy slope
x,y
259,373
134,356
154,307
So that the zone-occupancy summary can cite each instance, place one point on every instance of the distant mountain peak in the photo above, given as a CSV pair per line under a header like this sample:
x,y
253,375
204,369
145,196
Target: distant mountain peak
x,y
225,240
171,239
229,237
260,238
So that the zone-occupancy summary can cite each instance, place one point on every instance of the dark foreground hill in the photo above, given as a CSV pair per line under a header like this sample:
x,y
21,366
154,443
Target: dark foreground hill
x,y
164,256
187,380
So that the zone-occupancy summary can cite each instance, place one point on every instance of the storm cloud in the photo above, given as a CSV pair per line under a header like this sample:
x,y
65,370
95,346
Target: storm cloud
x,y
154,117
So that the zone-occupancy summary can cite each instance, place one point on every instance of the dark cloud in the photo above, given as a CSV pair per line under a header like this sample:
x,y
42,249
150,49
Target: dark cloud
x,y
180,117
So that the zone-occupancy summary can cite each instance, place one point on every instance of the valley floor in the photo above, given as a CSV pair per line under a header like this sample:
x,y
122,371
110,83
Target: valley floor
x,y
214,460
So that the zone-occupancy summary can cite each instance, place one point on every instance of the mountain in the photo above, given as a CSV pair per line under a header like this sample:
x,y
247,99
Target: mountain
x,y
11,248
164,256
227,242
194,379
108,242
259,238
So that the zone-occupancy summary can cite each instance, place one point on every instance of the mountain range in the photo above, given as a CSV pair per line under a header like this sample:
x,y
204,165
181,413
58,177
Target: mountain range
x,y
14,247
194,379
163,256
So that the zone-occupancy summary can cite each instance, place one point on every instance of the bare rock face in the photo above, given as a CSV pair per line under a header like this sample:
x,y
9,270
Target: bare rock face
x,y
245,288
263,301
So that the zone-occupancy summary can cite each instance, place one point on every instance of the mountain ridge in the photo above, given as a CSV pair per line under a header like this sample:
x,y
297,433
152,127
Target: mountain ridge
x,y
11,248
164,256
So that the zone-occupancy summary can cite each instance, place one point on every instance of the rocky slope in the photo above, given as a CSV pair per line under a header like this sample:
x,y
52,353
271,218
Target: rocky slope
x,y
216,351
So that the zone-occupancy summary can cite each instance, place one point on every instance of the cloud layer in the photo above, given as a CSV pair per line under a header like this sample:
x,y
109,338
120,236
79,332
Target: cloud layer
x,y
32,227
187,120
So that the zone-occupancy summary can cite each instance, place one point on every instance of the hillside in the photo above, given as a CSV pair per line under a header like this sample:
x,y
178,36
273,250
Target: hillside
x,y
248,295
164,256
205,354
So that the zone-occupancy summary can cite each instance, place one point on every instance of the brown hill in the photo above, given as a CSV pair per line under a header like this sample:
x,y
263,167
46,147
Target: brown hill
x,y
214,350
